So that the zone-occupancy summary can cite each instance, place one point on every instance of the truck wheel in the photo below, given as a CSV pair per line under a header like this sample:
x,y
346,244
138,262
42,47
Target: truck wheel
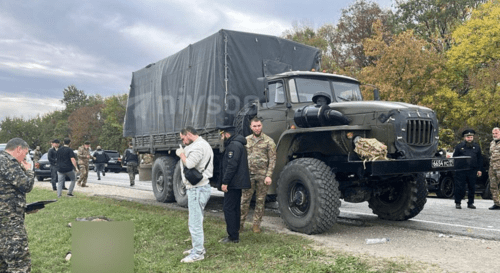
x,y
487,191
308,196
179,187
446,188
162,178
400,200
39,178
242,119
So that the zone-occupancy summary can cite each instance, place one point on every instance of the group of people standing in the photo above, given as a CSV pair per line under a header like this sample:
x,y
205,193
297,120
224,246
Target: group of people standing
x,y
246,167
467,178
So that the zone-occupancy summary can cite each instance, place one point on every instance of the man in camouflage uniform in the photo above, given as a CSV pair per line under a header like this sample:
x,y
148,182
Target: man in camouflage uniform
x,y
83,163
37,155
494,171
261,151
131,160
16,179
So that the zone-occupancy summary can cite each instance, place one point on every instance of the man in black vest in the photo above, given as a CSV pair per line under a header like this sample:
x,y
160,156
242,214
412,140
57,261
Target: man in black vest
x,y
52,156
101,158
467,148
234,176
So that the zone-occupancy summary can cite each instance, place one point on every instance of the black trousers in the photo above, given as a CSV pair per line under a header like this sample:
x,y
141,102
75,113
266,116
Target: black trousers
x,y
232,212
53,177
463,179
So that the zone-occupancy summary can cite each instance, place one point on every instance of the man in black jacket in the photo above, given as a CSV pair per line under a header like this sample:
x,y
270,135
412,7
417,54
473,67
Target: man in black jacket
x,y
467,148
234,177
101,158
52,156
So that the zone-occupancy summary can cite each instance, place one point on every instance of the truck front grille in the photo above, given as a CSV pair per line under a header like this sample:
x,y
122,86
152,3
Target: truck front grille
x,y
419,132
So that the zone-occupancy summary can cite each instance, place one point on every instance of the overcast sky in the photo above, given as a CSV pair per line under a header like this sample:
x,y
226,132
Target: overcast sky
x,y
47,45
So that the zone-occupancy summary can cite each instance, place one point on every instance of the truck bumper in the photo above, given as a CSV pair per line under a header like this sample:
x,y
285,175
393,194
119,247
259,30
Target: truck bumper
x,y
401,166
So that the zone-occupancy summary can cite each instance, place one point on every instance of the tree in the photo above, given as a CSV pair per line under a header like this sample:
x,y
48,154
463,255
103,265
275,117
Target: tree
x,y
474,62
111,135
85,124
346,40
406,69
433,20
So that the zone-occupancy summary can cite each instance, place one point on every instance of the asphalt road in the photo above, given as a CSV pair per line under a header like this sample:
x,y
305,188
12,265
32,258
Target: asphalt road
x,y
438,215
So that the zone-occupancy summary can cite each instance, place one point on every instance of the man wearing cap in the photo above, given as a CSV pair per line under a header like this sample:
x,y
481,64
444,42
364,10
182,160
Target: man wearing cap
x,y
101,158
467,148
83,163
494,172
52,156
234,176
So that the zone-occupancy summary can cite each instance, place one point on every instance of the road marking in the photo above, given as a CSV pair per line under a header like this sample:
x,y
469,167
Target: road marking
x,y
429,222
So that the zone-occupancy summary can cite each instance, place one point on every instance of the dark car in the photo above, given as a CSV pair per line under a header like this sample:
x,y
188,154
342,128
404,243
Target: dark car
x,y
43,170
443,184
114,163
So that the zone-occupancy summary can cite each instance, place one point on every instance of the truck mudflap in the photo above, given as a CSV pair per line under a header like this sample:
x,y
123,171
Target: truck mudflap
x,y
402,166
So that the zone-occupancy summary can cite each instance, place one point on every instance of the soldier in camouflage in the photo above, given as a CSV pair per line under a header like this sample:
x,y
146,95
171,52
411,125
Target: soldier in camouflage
x,y
16,179
261,151
37,154
131,160
83,163
494,172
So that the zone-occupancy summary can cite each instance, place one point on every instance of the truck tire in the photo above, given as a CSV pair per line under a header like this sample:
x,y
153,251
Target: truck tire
x,y
242,119
179,187
487,191
401,200
308,196
162,178
39,178
446,188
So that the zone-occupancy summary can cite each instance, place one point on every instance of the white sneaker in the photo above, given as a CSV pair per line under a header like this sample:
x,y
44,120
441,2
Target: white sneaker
x,y
191,259
187,252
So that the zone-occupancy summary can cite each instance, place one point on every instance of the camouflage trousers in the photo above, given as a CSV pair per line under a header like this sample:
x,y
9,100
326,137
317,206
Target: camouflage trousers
x,y
84,174
131,170
494,176
14,252
260,188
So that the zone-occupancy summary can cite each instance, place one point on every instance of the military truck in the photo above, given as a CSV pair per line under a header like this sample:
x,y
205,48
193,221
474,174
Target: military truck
x,y
230,77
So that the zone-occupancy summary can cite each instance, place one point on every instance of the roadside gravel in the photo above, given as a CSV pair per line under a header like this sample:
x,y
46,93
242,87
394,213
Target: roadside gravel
x,y
429,251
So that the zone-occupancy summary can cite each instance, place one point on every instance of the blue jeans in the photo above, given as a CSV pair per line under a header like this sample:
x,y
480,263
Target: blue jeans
x,y
197,200
60,181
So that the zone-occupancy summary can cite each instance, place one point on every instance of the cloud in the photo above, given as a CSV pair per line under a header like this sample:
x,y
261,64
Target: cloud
x,y
27,107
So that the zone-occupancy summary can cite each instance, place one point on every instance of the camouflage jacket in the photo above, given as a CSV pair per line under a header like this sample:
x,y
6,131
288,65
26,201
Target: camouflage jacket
x,y
495,153
15,182
83,154
261,154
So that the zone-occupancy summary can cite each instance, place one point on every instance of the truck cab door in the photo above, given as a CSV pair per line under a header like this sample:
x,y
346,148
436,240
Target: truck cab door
x,y
274,111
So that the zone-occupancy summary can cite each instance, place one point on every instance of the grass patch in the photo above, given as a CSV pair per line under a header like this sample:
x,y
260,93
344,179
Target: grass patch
x,y
161,235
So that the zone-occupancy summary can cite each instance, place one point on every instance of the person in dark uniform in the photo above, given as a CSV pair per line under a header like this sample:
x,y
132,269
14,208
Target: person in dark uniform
x,y
234,176
131,160
52,156
467,148
101,158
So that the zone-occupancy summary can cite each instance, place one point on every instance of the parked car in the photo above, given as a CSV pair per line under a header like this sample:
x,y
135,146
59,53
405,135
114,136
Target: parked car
x,y
2,146
43,170
443,184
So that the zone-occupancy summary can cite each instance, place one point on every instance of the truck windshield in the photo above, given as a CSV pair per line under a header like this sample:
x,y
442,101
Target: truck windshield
x,y
303,89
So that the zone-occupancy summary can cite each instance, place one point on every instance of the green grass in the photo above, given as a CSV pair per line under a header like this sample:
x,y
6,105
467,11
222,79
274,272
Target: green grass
x,y
161,235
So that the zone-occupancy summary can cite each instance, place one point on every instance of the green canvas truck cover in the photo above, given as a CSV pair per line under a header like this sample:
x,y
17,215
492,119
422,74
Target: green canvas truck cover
x,y
207,83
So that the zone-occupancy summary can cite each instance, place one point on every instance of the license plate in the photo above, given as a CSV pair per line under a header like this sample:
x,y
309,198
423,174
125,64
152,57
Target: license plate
x,y
443,163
